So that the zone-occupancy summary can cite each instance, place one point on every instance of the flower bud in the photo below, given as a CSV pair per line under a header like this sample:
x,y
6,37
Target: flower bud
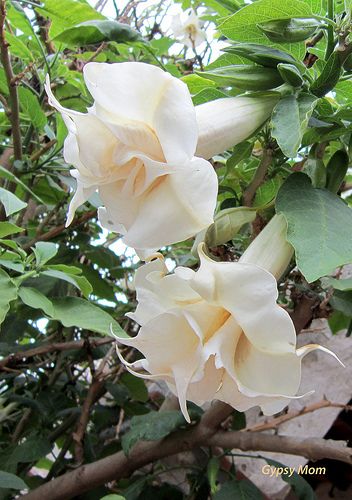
x,y
290,74
223,123
260,54
245,77
289,30
270,249
336,170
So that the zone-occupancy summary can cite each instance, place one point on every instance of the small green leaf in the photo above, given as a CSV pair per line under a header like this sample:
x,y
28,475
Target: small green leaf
x,y
136,387
79,282
30,106
11,481
342,301
342,285
72,311
44,251
238,489
35,299
317,222
151,427
290,120
90,32
8,294
7,228
113,497
11,202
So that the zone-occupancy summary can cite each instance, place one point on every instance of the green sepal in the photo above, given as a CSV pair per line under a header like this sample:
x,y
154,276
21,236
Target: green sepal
x,y
289,30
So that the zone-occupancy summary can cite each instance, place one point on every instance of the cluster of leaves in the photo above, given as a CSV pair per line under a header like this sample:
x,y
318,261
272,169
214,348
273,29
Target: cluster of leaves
x,y
62,290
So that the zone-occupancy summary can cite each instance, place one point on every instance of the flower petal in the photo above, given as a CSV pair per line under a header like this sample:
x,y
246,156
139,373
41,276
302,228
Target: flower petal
x,y
249,293
144,93
173,209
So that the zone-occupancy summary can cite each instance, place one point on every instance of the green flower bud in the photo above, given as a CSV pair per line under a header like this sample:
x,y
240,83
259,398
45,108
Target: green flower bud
x,y
289,30
260,54
245,77
290,74
329,77
336,170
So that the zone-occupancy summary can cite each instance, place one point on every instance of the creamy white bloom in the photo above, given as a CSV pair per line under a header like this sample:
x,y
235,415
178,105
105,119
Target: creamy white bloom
x,y
223,123
136,146
217,333
187,27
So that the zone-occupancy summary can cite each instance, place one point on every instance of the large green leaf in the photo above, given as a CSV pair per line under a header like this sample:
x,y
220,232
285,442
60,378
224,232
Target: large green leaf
x,y
11,481
11,202
242,26
72,311
66,13
7,228
79,282
317,221
7,294
289,121
91,32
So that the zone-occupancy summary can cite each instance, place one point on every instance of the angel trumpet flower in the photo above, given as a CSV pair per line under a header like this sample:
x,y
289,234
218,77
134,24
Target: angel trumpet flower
x,y
223,123
217,333
136,146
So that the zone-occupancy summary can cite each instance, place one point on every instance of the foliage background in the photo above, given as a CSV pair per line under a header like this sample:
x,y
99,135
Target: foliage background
x,y
65,399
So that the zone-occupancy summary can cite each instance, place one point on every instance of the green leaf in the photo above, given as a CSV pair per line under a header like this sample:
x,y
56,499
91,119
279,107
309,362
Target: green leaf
x,y
299,485
11,481
317,222
34,448
240,152
66,13
151,427
342,301
44,251
196,83
7,295
238,489
342,285
91,32
290,120
19,48
267,192
11,202
79,282
242,26
136,387
7,228
30,106
35,299
6,174
72,311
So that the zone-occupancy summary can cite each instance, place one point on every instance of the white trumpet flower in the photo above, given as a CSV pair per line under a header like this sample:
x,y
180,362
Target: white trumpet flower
x,y
136,147
217,333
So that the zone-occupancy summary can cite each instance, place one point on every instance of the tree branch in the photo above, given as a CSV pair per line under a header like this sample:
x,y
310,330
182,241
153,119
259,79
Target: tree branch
x,y
259,177
52,347
11,83
204,434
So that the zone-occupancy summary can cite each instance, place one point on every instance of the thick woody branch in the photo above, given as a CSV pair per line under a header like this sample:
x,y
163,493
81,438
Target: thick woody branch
x,y
11,83
204,434
259,177
310,448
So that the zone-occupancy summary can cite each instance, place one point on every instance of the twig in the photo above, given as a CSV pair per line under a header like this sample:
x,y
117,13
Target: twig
x,y
14,102
60,229
56,346
94,393
258,178
37,154
275,422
